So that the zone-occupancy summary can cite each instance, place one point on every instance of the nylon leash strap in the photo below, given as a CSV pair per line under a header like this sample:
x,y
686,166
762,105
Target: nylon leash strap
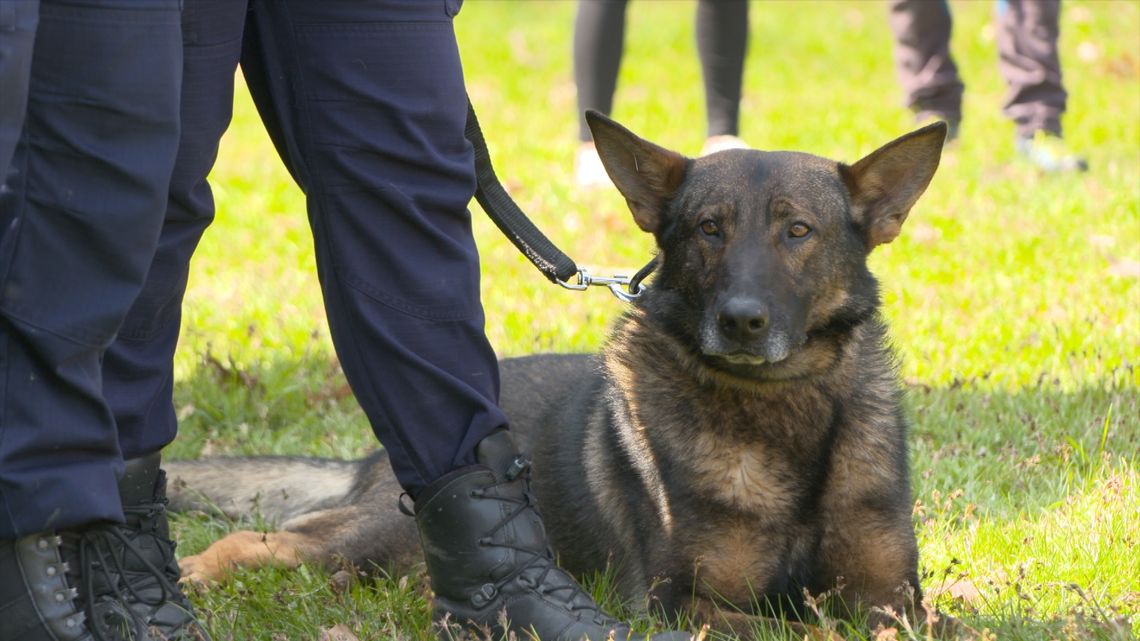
x,y
510,219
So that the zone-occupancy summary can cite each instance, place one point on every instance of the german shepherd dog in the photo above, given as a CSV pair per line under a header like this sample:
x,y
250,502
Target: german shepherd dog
x,y
738,443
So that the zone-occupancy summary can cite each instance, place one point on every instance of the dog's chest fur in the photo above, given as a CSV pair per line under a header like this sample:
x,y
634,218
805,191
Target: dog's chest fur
x,y
745,467
752,496
744,477
756,451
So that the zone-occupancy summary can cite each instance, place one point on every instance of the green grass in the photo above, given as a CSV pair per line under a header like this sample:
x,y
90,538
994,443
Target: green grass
x,y
1013,297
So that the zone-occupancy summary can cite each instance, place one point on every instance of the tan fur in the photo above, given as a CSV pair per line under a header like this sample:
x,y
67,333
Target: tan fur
x,y
728,561
749,478
245,548
632,434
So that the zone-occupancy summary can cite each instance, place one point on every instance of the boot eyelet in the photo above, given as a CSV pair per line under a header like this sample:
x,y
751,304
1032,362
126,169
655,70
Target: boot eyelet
x,y
51,570
485,595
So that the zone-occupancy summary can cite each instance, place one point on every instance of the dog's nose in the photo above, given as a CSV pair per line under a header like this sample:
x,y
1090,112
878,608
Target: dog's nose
x,y
743,319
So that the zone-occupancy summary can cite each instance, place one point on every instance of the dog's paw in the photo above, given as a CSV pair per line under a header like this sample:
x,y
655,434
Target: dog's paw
x,y
197,570
215,562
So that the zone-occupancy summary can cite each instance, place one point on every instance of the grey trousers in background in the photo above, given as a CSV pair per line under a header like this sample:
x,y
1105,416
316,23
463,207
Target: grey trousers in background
x,y
1027,33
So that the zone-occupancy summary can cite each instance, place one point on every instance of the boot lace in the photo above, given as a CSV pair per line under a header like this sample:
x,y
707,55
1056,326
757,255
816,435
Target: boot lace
x,y
532,573
109,553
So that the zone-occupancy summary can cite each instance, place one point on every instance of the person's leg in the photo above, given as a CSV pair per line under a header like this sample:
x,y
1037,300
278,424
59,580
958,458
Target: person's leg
x,y
80,216
599,39
377,145
722,43
17,35
388,176
367,104
1027,50
926,70
1028,31
138,376
138,367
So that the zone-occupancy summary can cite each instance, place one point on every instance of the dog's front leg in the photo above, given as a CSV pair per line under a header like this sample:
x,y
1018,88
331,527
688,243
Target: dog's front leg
x,y
868,548
244,549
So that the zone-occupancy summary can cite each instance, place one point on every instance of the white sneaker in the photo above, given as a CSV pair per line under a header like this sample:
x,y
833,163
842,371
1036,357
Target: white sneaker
x,y
588,169
722,143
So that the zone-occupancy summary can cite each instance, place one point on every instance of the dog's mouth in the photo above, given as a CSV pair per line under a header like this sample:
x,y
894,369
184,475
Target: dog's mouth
x,y
780,365
776,347
770,358
741,358
744,366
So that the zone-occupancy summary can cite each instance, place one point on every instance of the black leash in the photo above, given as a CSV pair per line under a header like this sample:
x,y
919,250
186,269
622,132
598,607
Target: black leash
x,y
510,219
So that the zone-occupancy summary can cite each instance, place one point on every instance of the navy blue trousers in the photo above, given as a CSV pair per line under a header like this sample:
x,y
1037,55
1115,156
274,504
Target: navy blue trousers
x,y
366,104
88,134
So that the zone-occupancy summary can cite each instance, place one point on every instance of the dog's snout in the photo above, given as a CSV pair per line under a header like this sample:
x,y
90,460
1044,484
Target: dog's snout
x,y
743,319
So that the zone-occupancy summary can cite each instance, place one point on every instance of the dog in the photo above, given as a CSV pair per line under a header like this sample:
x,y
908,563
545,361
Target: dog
x,y
739,442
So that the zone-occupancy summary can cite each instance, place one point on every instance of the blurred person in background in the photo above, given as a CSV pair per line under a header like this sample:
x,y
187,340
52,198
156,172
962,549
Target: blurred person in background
x,y
1027,34
599,42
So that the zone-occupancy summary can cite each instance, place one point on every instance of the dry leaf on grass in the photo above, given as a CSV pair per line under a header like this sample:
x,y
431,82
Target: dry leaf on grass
x,y
338,632
887,634
1124,268
341,581
962,590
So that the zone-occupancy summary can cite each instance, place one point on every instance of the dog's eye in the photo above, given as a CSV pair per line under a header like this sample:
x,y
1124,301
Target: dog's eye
x,y
709,227
799,230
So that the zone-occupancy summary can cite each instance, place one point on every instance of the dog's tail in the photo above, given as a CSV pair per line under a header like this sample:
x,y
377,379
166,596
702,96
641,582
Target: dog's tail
x,y
275,488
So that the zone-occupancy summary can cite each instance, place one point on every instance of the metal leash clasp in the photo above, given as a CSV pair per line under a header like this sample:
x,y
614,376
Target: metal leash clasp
x,y
621,286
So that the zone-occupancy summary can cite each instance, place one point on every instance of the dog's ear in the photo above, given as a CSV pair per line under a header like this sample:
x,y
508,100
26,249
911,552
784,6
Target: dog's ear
x,y
646,174
887,183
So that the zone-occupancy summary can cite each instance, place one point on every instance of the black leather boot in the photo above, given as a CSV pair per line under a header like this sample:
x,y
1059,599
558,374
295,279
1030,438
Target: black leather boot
x,y
102,582
491,567
36,601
